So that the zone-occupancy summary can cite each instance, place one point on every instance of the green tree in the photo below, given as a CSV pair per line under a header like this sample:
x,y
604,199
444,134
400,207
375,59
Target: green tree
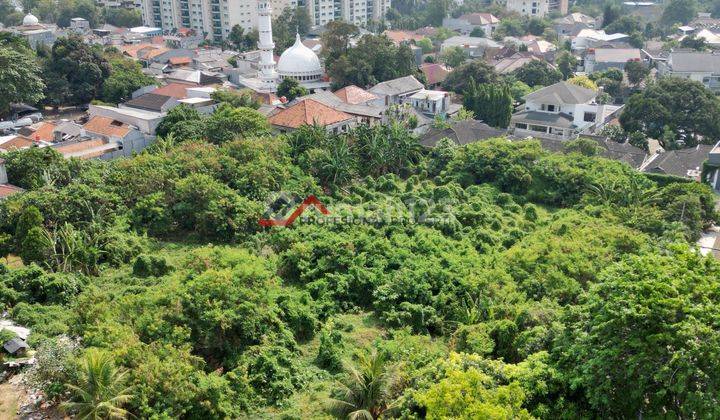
x,y
478,32
566,63
477,71
236,98
611,13
537,73
20,80
291,89
694,43
177,118
426,45
242,41
336,40
453,56
100,391
685,106
228,123
636,72
490,103
123,17
639,343
74,72
126,76
679,11
366,391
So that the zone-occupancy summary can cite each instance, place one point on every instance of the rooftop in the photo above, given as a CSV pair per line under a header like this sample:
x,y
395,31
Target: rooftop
x,y
308,112
354,95
399,86
461,132
7,190
107,127
562,93
616,55
686,163
688,61
149,101
176,90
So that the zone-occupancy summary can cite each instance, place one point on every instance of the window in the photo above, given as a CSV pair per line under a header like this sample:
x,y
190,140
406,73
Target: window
x,y
589,117
551,108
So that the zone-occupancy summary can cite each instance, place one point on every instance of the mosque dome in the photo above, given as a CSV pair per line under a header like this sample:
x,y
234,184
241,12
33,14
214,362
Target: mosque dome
x,y
299,62
30,20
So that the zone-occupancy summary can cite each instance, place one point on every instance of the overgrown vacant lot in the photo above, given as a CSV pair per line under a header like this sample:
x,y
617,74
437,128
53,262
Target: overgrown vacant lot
x,y
547,286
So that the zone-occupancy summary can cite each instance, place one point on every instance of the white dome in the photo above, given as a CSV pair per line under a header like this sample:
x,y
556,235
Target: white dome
x,y
299,60
30,20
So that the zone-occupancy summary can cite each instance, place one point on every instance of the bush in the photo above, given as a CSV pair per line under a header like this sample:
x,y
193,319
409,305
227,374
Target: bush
x,y
150,265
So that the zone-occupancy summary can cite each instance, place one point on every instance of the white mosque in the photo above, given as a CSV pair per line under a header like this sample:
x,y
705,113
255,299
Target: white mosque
x,y
297,62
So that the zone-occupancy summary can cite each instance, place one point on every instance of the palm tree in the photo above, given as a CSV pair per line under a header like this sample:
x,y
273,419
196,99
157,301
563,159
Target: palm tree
x,y
366,392
100,391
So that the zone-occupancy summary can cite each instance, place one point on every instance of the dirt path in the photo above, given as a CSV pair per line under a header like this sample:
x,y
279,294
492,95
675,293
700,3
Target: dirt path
x,y
9,398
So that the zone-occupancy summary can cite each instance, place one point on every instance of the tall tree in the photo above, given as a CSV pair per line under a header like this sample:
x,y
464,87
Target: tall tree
x,y
20,79
491,103
74,72
126,76
477,71
336,40
100,392
290,89
679,11
538,73
366,392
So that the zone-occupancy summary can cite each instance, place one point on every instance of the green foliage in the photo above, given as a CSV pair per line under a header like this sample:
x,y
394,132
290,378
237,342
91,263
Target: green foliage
x,y
20,79
228,123
679,11
453,56
477,71
100,390
331,346
538,73
654,328
123,17
150,265
290,89
126,76
490,103
683,105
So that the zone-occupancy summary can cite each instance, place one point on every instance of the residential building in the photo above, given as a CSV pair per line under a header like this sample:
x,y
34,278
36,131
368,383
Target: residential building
x,y
703,67
684,163
309,112
358,12
537,8
369,113
593,38
355,96
600,59
712,168
213,17
468,22
152,102
560,111
508,65
461,133
395,91
145,121
435,73
474,47
573,23
431,102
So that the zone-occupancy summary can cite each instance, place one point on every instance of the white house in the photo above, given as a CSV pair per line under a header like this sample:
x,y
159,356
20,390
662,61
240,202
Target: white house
x,y
560,111
431,102
703,67
466,23
538,8
474,47
396,90
591,38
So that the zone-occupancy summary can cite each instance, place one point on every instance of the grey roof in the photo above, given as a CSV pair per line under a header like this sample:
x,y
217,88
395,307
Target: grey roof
x,y
12,346
616,55
562,93
686,163
149,101
330,99
397,86
461,132
685,61
560,120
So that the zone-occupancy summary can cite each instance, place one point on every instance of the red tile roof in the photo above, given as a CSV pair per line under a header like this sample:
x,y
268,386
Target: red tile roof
x,y
107,127
75,149
16,143
403,36
176,90
354,95
44,131
177,61
308,112
434,72
7,190
480,18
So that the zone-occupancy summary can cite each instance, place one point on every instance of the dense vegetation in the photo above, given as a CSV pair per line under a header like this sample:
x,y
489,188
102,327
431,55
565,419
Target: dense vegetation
x,y
496,281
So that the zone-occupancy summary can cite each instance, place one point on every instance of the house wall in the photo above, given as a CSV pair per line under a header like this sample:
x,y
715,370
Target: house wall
x,y
145,125
537,8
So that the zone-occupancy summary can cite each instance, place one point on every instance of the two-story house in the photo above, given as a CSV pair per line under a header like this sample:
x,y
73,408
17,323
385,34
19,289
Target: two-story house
x,y
703,67
466,23
431,102
560,111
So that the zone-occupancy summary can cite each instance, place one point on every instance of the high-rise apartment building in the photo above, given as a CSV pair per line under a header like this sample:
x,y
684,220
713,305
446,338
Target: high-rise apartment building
x,y
217,17
538,8
210,17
